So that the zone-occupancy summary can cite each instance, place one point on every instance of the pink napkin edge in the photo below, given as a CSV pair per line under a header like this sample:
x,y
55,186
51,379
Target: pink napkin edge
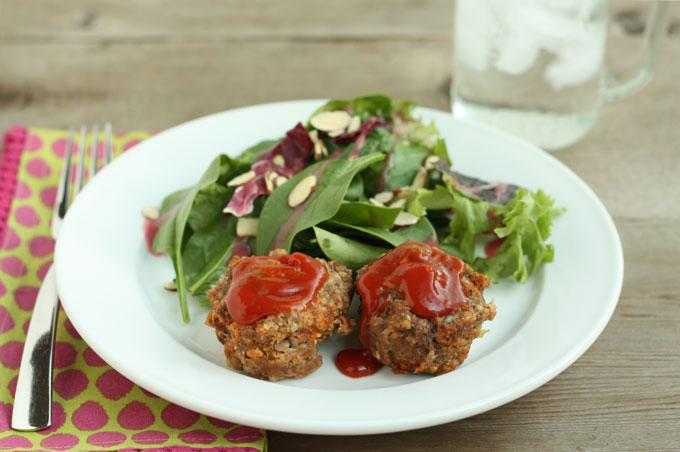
x,y
12,147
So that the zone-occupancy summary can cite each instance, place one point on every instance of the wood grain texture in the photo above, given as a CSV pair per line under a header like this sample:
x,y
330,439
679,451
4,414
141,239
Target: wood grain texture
x,y
155,63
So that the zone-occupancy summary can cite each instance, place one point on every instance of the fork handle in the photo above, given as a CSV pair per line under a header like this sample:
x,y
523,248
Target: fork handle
x,y
33,398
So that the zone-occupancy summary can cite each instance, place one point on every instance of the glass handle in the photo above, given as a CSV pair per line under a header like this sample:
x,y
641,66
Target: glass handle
x,y
655,29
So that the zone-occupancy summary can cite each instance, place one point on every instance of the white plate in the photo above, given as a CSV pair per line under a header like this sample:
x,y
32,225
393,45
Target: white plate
x,y
112,290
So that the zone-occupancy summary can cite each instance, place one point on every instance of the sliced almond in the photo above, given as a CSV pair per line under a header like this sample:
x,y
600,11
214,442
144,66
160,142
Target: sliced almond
x,y
375,202
430,161
170,285
151,212
242,179
354,124
401,202
336,133
405,219
270,180
328,121
278,160
280,180
301,191
246,227
385,196
319,150
420,180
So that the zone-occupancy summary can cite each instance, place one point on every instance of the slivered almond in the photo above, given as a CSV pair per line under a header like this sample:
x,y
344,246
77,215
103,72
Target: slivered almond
x,y
430,161
301,191
151,212
319,150
328,121
170,285
278,160
401,202
420,180
242,179
319,147
405,219
385,196
375,202
280,180
354,124
270,180
246,227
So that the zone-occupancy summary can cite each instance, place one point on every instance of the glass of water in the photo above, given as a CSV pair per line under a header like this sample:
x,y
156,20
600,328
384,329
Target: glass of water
x,y
535,67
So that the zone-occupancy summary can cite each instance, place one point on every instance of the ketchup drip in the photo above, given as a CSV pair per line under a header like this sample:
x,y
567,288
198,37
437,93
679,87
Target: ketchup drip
x,y
426,277
267,285
357,363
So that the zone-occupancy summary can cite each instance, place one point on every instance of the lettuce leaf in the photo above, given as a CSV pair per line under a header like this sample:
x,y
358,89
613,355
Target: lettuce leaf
x,y
526,223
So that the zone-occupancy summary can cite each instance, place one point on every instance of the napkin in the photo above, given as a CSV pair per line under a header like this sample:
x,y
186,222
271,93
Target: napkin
x,y
95,407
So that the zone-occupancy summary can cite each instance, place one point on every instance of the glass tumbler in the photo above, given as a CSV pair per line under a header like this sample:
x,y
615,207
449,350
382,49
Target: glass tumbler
x,y
536,67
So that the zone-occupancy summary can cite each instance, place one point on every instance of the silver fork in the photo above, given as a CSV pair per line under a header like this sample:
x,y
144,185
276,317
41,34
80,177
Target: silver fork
x,y
33,398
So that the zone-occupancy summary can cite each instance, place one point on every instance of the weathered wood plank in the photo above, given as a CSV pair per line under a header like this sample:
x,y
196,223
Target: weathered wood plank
x,y
170,21
156,86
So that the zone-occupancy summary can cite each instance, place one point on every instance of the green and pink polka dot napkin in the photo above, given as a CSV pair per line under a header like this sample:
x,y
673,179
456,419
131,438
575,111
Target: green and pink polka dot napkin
x,y
95,407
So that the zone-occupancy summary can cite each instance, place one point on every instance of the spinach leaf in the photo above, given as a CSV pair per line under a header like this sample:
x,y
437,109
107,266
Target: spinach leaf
x,y
355,191
279,223
422,231
258,150
407,160
379,140
173,199
346,251
206,253
175,232
365,214
365,106
208,204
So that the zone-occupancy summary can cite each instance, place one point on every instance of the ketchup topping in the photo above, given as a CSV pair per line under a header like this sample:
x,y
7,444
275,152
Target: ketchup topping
x,y
266,285
426,277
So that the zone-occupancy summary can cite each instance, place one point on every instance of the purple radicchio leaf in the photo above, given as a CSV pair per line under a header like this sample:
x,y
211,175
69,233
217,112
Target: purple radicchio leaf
x,y
494,192
296,149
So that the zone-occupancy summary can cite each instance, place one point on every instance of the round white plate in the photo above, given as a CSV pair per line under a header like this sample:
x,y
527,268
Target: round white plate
x,y
112,290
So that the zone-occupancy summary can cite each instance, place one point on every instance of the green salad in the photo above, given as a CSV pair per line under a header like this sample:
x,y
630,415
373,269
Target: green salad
x,y
359,178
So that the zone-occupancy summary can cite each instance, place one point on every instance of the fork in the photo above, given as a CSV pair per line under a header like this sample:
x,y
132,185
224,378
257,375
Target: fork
x,y
33,398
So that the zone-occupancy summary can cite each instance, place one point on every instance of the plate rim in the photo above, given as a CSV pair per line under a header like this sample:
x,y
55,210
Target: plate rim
x,y
405,422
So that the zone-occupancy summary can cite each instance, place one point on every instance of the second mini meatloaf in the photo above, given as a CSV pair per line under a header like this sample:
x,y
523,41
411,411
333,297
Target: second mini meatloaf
x,y
425,314
280,344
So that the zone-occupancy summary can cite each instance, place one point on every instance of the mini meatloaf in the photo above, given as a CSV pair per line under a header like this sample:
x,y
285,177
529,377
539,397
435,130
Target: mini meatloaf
x,y
283,344
407,342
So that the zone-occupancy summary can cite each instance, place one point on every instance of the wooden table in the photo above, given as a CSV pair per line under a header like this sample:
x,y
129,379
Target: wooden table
x,y
162,62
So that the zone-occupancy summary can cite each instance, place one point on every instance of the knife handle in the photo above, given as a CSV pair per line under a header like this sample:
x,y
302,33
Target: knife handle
x,y
33,398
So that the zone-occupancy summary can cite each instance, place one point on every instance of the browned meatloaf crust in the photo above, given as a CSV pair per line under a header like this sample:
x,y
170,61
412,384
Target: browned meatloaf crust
x,y
283,345
406,342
